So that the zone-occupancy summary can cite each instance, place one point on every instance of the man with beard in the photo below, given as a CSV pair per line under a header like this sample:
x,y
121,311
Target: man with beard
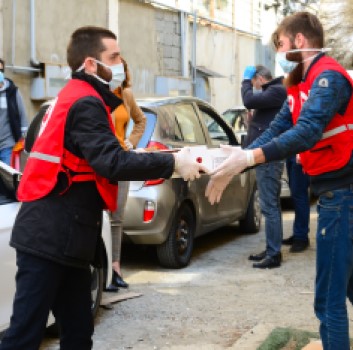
x,y
317,122
69,178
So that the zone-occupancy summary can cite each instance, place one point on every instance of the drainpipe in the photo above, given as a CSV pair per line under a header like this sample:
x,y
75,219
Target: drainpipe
x,y
17,69
34,61
184,71
193,56
13,52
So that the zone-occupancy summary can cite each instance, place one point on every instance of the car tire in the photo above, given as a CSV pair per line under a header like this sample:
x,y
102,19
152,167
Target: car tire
x,y
252,220
96,289
176,251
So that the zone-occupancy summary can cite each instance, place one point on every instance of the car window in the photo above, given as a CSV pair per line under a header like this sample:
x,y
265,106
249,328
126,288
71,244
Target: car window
x,y
151,119
236,118
215,130
188,124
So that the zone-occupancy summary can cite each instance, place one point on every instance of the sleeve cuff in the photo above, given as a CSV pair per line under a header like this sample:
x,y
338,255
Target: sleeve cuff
x,y
271,152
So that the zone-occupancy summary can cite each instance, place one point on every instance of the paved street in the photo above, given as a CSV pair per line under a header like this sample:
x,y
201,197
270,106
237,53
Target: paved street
x,y
214,301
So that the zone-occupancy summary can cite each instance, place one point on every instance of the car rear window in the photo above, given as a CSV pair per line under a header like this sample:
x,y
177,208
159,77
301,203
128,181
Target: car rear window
x,y
151,119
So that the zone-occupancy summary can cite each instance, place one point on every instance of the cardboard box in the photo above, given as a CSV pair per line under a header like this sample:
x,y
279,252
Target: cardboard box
x,y
211,158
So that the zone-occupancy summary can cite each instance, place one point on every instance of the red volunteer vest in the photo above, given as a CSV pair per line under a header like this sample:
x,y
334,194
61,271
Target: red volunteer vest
x,y
48,156
334,149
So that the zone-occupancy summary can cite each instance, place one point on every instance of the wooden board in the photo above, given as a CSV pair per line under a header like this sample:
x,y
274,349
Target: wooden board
x,y
119,297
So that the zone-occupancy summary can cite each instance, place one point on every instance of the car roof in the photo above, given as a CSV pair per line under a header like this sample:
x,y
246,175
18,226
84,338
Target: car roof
x,y
160,101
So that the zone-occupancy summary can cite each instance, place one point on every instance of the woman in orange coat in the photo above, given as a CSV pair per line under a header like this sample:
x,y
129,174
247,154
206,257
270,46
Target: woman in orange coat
x,y
121,117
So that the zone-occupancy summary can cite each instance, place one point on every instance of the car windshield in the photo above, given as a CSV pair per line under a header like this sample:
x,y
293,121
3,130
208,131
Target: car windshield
x,y
236,118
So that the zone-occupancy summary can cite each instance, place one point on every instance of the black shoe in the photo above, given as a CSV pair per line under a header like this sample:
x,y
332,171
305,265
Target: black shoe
x,y
269,262
258,257
118,281
288,241
111,288
299,246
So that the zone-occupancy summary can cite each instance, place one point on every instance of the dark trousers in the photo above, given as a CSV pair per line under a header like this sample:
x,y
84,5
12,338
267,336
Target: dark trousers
x,y
299,188
43,286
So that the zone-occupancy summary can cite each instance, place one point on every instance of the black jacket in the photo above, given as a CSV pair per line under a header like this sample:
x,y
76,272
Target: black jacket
x,y
13,112
265,104
66,227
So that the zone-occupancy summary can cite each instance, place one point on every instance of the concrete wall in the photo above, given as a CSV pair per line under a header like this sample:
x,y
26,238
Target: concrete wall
x,y
138,44
54,23
150,40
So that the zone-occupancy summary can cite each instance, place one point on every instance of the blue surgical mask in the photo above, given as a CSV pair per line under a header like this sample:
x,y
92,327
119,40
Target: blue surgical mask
x,y
2,77
287,66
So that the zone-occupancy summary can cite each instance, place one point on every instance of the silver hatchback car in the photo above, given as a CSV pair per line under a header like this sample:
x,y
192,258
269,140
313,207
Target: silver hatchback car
x,y
169,214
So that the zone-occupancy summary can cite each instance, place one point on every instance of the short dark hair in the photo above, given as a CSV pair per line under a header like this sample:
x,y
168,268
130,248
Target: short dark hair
x,y
86,42
2,62
301,22
264,72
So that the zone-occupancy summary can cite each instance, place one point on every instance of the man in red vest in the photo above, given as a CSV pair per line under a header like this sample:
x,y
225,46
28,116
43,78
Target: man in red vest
x,y
70,176
316,122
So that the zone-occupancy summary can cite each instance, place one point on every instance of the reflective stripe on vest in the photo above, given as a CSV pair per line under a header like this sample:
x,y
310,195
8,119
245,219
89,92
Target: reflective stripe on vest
x,y
336,131
46,157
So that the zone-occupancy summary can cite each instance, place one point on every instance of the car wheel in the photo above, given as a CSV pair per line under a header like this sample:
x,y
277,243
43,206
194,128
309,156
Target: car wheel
x,y
96,289
252,220
176,251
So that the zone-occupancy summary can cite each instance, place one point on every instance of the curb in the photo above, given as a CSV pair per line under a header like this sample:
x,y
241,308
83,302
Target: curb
x,y
254,337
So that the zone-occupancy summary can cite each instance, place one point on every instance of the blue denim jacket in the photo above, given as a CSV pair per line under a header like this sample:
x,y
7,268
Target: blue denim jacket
x,y
283,139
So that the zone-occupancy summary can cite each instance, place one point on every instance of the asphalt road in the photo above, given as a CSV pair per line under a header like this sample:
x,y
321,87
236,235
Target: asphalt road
x,y
214,301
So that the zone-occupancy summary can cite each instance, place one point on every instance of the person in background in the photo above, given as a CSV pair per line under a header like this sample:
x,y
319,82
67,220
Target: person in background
x,y
13,120
121,117
299,188
316,121
70,176
265,96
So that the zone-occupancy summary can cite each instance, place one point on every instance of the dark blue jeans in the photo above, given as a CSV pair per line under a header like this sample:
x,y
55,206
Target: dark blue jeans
x,y
5,155
268,179
41,286
334,266
299,185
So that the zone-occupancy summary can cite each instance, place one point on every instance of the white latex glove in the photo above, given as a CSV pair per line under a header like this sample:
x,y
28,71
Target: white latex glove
x,y
186,166
128,144
215,188
238,159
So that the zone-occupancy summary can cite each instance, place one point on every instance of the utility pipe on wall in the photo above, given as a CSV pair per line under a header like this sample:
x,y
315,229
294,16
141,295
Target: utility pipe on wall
x,y
34,61
184,66
12,66
193,55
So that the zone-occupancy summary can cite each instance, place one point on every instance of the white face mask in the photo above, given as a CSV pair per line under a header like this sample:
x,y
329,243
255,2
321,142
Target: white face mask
x,y
289,66
118,74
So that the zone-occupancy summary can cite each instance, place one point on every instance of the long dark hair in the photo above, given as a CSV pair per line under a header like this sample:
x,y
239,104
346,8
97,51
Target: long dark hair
x,y
127,82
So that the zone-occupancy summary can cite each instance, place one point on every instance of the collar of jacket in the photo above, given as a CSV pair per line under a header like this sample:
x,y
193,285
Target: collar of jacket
x,y
312,63
274,81
108,97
